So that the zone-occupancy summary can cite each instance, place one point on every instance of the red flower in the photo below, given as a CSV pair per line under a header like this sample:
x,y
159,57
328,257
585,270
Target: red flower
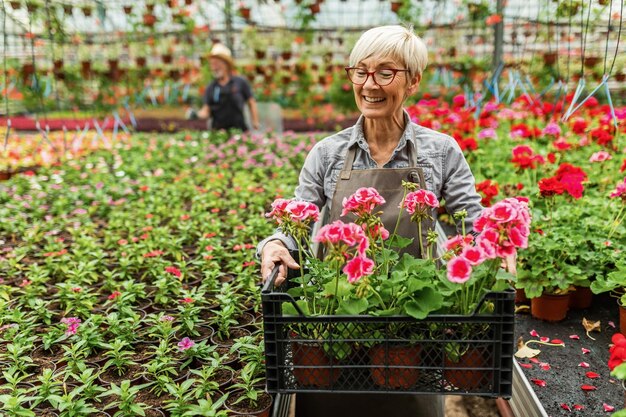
x,y
173,270
579,126
550,186
489,190
153,254
617,351
187,300
114,295
623,167
602,136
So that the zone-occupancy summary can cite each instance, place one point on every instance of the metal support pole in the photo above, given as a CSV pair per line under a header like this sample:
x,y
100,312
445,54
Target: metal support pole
x,y
228,11
498,37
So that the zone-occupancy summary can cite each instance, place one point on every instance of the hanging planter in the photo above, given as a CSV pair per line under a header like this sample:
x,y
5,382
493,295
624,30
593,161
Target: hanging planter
x,y
315,8
395,6
549,58
286,55
58,65
85,69
140,61
259,54
128,10
591,61
166,58
32,7
15,4
620,76
149,19
87,10
28,69
245,12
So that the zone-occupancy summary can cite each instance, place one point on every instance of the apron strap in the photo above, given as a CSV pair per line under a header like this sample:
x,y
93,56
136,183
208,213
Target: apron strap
x,y
347,165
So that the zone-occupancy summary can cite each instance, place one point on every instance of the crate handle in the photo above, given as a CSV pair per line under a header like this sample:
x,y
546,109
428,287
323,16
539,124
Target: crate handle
x,y
268,286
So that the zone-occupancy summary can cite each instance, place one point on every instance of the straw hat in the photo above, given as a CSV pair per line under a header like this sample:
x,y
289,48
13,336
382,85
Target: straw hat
x,y
222,52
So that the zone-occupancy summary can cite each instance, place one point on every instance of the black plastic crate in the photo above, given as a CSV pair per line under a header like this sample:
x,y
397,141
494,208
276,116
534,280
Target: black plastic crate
x,y
367,354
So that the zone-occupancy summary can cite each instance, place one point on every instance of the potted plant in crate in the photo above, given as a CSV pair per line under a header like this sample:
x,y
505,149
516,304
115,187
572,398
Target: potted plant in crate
x,y
473,270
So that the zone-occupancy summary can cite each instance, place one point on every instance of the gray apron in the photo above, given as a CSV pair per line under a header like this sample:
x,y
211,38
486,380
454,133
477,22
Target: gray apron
x,y
388,182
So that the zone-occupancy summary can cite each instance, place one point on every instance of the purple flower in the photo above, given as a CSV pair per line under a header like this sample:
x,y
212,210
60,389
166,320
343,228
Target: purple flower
x,y
186,343
166,318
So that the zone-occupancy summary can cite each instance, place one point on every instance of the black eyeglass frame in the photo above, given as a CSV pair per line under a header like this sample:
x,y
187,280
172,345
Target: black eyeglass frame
x,y
372,73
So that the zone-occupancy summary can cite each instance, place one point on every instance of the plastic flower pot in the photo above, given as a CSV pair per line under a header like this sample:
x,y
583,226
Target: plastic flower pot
x,y
622,320
128,9
550,307
262,408
467,379
580,298
312,366
390,357
395,6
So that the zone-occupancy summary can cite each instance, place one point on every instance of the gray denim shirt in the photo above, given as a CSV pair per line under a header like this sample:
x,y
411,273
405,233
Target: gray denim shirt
x,y
446,171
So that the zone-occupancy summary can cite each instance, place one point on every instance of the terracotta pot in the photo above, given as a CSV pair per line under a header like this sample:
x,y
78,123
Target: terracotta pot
x,y
394,359
315,8
140,61
468,379
622,320
5,175
128,9
166,58
87,11
620,77
550,307
395,6
520,296
581,298
317,371
591,61
15,4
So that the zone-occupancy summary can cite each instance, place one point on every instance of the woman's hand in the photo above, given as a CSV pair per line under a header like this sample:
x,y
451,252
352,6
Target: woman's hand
x,y
274,252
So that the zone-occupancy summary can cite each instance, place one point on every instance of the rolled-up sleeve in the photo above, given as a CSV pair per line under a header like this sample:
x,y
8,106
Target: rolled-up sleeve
x,y
459,186
310,188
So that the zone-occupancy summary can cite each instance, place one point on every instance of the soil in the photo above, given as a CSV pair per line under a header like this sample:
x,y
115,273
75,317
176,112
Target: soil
x,y
55,354
264,401
111,375
151,399
565,377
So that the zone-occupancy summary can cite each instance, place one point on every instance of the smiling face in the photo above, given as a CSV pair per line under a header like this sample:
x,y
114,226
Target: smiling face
x,y
376,102
219,68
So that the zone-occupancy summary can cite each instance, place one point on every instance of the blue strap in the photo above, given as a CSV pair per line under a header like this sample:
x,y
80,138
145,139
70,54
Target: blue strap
x,y
571,110
608,97
6,135
120,122
133,121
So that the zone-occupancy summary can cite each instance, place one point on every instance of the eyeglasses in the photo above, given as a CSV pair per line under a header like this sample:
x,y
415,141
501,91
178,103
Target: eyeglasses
x,y
382,77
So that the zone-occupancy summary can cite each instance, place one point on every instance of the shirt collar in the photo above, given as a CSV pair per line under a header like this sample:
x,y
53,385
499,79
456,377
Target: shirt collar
x,y
358,138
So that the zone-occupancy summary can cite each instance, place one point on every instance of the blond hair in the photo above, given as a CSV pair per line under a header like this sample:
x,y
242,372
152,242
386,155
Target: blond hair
x,y
396,42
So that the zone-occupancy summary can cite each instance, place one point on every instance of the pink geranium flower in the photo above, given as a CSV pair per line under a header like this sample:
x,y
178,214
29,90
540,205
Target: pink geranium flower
x,y
358,267
620,190
459,270
186,343
114,295
600,156
362,201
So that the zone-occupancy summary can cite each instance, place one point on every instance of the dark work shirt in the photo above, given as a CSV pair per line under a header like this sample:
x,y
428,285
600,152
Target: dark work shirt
x,y
226,103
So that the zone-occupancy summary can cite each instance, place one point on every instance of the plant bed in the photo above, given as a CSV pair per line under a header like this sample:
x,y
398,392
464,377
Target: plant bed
x,y
564,376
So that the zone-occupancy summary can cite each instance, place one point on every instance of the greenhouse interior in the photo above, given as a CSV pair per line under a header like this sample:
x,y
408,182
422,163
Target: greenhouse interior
x,y
313,208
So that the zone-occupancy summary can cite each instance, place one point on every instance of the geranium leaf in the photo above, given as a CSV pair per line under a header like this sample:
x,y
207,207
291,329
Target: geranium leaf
x,y
423,303
353,306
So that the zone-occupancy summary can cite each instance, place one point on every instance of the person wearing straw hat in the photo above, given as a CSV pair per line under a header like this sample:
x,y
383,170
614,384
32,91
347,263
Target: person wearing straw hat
x,y
225,97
